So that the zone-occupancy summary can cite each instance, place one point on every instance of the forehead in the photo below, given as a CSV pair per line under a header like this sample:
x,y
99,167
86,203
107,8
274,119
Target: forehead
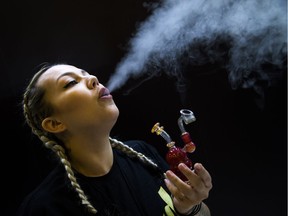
x,y
53,73
60,69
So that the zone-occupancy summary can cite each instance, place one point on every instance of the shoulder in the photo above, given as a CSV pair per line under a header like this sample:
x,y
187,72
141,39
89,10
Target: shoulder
x,y
143,147
47,197
148,150
138,144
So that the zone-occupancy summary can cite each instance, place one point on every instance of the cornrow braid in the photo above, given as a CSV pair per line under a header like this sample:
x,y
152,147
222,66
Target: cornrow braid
x,y
60,151
34,110
134,154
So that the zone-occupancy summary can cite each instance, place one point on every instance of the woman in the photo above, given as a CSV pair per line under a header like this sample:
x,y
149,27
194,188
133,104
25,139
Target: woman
x,y
73,114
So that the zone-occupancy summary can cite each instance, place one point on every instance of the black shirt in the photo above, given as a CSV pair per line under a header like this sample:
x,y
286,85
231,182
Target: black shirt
x,y
130,188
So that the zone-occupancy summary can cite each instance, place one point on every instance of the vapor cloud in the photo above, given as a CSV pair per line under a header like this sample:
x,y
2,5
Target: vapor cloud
x,y
182,32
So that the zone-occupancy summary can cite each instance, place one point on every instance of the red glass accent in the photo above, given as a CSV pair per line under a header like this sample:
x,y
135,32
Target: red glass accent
x,y
189,145
175,156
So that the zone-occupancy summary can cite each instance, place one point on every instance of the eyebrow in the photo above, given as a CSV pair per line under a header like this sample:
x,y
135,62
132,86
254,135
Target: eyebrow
x,y
70,74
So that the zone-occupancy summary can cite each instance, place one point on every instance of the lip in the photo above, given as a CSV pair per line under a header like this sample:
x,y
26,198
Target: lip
x,y
104,93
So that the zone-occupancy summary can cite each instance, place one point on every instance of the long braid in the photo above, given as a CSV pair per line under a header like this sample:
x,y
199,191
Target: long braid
x,y
60,151
133,154
34,111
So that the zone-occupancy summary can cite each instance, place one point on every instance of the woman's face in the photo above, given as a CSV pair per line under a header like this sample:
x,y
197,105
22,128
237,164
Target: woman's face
x,y
78,100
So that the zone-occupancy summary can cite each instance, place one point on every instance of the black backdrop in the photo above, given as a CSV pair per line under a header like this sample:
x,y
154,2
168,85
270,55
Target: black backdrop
x,y
242,144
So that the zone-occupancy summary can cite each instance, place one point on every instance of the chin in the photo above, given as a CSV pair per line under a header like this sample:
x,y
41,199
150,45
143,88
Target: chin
x,y
114,121
115,112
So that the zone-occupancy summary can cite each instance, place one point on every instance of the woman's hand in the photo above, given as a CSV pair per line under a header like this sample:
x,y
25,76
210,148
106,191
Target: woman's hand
x,y
187,194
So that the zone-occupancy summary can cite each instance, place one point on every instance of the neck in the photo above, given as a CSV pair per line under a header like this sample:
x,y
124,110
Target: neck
x,y
92,159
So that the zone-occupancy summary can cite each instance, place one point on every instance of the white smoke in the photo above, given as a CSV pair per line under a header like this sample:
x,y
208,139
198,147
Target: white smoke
x,y
180,32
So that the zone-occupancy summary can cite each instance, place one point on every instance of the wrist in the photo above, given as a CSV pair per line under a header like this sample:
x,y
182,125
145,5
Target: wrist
x,y
192,212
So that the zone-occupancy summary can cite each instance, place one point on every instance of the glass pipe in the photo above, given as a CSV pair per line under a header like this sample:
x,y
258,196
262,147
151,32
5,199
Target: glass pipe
x,y
187,116
175,155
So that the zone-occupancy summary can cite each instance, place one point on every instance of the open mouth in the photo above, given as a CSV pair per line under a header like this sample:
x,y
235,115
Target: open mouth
x,y
104,92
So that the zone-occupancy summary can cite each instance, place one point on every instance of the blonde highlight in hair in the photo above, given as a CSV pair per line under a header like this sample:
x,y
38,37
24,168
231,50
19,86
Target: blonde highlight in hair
x,y
35,109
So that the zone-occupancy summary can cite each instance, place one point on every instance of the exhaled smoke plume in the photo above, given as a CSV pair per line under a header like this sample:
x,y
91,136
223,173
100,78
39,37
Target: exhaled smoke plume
x,y
181,32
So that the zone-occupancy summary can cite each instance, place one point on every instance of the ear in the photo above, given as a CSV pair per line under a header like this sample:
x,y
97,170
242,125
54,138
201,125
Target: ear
x,y
52,125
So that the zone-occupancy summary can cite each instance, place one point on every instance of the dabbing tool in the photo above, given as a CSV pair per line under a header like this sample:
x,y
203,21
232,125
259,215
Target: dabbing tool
x,y
176,155
187,116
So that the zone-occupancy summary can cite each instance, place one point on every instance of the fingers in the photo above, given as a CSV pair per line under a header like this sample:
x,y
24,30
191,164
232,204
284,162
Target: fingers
x,y
198,185
194,175
190,174
204,174
175,183
184,195
187,194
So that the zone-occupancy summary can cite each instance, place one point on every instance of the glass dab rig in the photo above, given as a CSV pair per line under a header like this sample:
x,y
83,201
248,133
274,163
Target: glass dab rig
x,y
176,155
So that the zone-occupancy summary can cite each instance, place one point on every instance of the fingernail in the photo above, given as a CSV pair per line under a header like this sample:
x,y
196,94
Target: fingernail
x,y
166,181
182,165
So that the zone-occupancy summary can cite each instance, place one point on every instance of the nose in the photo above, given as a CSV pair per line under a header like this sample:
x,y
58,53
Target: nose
x,y
92,82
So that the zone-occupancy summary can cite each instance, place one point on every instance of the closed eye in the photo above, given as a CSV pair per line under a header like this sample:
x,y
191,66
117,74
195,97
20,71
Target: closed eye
x,y
71,83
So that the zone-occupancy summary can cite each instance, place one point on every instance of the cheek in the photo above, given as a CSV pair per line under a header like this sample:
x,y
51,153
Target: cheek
x,y
72,103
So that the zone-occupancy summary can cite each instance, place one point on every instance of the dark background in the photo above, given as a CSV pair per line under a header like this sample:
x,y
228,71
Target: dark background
x,y
241,143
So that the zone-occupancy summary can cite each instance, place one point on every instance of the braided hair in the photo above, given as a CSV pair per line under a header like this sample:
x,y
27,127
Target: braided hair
x,y
35,109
